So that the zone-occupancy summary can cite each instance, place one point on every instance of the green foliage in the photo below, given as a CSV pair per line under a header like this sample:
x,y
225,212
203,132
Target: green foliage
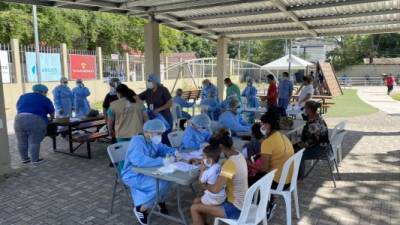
x,y
115,33
353,48
262,51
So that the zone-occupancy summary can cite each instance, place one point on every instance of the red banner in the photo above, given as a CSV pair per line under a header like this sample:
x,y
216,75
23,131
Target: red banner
x,y
82,66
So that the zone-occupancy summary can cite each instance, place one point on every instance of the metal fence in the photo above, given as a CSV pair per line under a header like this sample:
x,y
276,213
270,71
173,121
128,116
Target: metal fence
x,y
361,81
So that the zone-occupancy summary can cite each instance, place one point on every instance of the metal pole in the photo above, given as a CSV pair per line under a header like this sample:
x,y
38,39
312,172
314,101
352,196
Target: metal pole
x,y
36,34
290,55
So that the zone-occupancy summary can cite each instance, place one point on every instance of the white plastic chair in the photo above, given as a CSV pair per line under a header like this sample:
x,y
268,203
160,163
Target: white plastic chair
x,y
116,153
175,138
254,211
338,128
336,142
295,160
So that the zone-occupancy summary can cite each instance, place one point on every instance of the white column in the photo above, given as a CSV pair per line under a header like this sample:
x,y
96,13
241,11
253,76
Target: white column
x,y
99,60
64,60
222,58
15,51
151,48
5,166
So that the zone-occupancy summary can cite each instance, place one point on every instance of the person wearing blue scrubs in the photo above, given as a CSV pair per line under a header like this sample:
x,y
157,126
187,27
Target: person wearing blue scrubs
x,y
81,104
211,106
63,98
232,120
183,103
197,133
208,88
146,150
250,92
285,91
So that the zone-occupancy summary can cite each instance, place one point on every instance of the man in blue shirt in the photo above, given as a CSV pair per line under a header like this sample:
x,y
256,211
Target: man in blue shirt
x,y
183,103
285,91
31,122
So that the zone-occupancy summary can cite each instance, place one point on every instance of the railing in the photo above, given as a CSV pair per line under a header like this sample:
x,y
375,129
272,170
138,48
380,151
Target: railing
x,y
361,81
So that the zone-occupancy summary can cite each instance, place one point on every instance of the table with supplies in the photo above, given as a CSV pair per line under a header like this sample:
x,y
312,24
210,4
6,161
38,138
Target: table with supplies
x,y
184,175
82,126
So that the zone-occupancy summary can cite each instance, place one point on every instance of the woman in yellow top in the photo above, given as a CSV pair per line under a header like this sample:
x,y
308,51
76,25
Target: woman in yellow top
x,y
275,150
233,176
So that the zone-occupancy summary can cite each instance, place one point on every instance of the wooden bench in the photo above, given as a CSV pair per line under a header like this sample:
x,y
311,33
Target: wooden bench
x,y
88,138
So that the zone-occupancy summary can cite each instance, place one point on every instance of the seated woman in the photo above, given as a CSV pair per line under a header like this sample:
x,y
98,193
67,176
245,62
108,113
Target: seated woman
x,y
234,176
275,150
125,116
197,133
146,150
314,137
183,103
211,106
232,120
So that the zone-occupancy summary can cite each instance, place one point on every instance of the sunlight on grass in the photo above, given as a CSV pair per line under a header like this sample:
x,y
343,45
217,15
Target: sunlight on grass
x,y
349,104
396,96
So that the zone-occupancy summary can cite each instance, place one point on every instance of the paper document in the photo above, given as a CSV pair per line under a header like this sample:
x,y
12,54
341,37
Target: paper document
x,y
184,167
192,155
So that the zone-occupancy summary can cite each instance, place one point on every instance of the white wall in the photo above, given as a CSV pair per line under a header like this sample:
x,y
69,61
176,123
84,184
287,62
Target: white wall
x,y
371,70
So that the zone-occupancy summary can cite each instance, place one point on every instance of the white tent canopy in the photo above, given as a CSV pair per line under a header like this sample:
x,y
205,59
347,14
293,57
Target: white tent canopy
x,y
283,64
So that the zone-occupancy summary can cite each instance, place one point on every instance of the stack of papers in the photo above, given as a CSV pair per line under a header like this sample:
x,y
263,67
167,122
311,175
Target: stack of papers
x,y
184,167
192,155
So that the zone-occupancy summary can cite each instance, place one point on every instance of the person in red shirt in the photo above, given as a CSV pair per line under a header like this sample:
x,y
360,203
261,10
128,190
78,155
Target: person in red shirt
x,y
389,79
272,94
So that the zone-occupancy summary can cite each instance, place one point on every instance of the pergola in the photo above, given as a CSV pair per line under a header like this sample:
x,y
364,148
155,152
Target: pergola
x,y
230,20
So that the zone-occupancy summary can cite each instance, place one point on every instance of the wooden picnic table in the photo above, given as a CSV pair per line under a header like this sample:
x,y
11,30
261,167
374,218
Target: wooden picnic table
x,y
322,98
68,126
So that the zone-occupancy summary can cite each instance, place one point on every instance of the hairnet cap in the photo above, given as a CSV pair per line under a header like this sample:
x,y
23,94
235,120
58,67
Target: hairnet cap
x,y
201,120
39,88
154,125
154,78
79,81
63,79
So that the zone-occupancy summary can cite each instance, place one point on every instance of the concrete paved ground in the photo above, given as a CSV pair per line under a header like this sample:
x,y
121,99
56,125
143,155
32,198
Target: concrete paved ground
x,y
68,190
377,97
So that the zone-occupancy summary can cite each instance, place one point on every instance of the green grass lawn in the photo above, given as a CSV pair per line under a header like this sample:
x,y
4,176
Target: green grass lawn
x,y
349,104
396,96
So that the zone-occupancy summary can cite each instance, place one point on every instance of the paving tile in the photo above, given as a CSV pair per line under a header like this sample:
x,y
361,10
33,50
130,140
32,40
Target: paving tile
x,y
69,190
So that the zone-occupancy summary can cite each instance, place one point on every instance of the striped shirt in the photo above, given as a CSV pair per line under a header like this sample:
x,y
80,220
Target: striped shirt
x,y
235,170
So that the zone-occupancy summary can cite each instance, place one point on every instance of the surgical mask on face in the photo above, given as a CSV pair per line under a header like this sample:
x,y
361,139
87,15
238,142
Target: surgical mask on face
x,y
263,131
149,85
249,84
64,84
156,139
79,84
206,163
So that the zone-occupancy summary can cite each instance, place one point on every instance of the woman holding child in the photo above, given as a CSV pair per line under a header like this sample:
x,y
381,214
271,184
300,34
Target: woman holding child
x,y
232,178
